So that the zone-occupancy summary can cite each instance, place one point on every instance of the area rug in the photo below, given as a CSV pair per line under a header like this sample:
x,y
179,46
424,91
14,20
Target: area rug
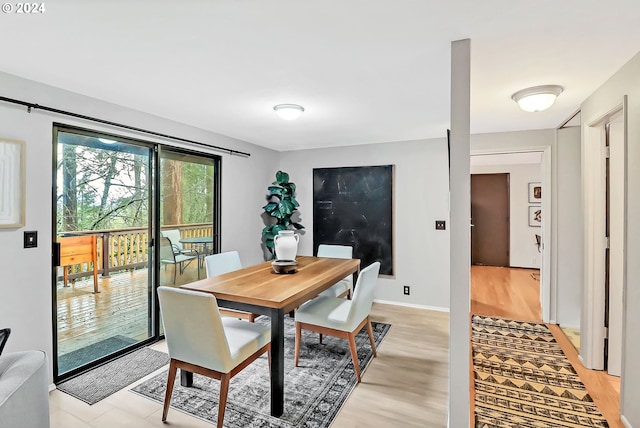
x,y
314,391
113,376
523,379
82,356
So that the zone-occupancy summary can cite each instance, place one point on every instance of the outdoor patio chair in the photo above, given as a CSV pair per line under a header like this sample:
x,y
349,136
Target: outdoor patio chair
x,y
178,248
341,317
179,261
229,345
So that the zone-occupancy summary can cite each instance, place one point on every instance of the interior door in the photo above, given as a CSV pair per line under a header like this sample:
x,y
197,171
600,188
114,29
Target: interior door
x,y
615,253
490,219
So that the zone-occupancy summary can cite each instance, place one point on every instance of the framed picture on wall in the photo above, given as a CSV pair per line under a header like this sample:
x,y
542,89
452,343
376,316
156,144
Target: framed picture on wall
x,y
535,193
12,183
535,215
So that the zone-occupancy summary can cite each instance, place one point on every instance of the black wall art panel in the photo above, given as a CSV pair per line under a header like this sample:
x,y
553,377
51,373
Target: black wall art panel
x,y
354,206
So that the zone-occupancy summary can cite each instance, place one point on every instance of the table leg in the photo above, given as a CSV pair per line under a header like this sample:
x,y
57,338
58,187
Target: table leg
x,y
277,362
186,378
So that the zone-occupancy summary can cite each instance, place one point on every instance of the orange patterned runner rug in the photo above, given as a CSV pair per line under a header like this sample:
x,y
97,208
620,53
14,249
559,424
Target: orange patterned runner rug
x,y
523,379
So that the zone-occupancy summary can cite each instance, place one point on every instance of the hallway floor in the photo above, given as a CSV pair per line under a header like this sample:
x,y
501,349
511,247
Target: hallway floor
x,y
514,293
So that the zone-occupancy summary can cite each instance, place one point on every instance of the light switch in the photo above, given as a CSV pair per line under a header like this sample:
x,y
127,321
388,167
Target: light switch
x,y
31,239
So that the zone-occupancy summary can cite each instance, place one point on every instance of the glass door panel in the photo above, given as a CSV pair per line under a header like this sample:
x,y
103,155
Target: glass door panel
x,y
188,197
186,216
103,212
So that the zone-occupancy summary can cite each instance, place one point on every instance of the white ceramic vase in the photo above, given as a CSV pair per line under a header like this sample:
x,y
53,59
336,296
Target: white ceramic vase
x,y
286,243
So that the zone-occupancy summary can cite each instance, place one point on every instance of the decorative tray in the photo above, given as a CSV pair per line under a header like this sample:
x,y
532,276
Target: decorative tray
x,y
284,266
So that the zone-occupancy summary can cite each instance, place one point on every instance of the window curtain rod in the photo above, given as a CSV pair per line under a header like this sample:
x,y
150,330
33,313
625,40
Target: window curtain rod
x,y
31,106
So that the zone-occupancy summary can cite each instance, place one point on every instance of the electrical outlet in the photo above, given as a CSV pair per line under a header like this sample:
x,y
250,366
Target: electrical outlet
x,y
407,290
441,225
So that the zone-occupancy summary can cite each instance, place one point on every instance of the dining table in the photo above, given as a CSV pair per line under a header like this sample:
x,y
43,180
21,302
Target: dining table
x,y
258,289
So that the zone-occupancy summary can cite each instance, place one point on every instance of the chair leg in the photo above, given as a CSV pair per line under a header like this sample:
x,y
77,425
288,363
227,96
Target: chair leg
x,y
320,338
167,397
354,354
224,391
370,332
298,339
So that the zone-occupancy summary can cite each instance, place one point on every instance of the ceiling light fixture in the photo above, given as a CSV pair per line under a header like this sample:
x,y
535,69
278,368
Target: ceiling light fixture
x,y
537,98
289,111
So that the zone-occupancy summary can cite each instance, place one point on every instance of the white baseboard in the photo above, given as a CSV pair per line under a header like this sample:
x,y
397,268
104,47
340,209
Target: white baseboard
x,y
412,305
52,387
625,422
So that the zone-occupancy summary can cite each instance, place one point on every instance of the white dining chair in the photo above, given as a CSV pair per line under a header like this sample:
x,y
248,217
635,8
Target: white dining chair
x,y
218,264
200,341
339,317
344,288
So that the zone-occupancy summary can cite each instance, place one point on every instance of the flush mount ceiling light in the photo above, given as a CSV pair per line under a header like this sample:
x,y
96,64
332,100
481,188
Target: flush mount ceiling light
x,y
537,98
289,111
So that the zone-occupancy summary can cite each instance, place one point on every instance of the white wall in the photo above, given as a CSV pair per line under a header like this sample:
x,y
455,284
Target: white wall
x,y
523,251
569,231
26,299
421,253
626,82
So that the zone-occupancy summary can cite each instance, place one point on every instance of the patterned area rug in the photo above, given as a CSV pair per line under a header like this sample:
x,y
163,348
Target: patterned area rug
x,y
314,391
523,379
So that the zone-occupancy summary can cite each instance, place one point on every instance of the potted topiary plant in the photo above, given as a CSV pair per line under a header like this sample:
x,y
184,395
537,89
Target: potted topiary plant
x,y
281,206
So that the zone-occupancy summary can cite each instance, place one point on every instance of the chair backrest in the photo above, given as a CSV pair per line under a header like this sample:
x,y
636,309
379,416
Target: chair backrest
x,y
217,264
335,251
365,292
174,236
193,328
166,250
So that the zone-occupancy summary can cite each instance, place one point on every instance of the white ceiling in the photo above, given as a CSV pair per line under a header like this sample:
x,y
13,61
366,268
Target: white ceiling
x,y
365,70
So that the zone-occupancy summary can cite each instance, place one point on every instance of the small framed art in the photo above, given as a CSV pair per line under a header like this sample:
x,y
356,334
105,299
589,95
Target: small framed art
x,y
535,193
12,184
535,215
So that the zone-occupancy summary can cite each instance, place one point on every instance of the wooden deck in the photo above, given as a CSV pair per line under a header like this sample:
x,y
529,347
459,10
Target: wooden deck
x,y
120,309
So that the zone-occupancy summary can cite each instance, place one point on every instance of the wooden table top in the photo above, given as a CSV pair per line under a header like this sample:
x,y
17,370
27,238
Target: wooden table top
x,y
260,285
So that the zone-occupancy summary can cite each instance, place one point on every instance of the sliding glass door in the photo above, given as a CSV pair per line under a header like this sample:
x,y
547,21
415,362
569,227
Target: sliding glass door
x,y
103,219
114,199
188,221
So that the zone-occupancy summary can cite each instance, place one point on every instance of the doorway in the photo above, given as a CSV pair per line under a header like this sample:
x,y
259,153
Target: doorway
x,y
490,219
615,232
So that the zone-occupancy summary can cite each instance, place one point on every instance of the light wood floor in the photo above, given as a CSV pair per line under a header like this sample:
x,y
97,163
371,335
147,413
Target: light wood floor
x,y
406,385
514,294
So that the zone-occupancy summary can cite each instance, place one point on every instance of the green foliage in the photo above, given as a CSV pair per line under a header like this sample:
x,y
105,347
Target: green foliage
x,y
100,189
281,206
